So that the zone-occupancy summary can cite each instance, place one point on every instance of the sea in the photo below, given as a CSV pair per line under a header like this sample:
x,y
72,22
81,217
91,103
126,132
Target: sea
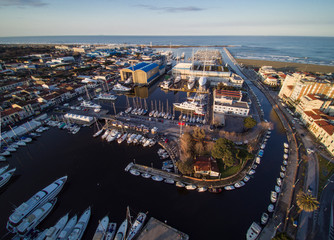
x,y
309,50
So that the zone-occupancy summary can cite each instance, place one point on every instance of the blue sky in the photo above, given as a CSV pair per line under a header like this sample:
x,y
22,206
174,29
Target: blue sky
x,y
156,17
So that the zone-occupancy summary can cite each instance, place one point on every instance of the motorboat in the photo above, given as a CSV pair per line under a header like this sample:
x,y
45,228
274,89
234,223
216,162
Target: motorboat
x,y
283,168
145,175
3,169
5,177
9,149
202,189
157,178
180,184
258,160
263,146
239,184
165,84
106,96
251,172
271,208
253,231
2,158
286,150
177,79
192,106
169,180
120,235
35,201
246,178
105,134
264,218
79,229
68,228
282,174
273,196
285,162
279,181
98,132
134,172
261,152
26,139
21,143
191,187
34,218
4,153
285,156
128,110
53,232
120,88
286,145
122,138
191,82
101,229
228,188
215,190
136,226
89,104
277,189
111,231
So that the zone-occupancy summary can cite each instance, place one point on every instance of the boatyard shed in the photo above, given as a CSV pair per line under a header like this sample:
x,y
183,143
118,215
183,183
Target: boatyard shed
x,y
142,73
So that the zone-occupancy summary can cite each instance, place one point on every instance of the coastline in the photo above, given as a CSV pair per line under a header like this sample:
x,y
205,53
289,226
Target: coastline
x,y
287,66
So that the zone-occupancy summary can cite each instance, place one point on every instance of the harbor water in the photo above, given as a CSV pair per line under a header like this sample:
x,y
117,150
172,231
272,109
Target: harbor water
x,y
96,178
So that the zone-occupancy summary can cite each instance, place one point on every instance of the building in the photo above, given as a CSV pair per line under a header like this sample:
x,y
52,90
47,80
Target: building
x,y
206,166
311,101
142,73
229,102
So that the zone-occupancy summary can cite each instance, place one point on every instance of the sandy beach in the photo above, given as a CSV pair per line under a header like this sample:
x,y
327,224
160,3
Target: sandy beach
x,y
287,66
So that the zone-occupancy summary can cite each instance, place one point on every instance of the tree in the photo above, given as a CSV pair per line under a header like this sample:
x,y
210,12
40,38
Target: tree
x,y
223,150
185,167
249,122
199,133
199,148
306,202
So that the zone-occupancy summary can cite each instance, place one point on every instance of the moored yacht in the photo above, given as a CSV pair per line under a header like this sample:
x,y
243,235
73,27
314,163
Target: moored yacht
x,y
111,231
4,178
264,218
53,232
120,88
136,226
68,228
36,200
120,235
106,96
80,227
253,231
101,229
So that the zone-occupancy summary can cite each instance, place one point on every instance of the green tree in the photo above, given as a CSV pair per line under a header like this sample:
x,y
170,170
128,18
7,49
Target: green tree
x,y
306,202
282,236
223,149
199,148
249,122
186,167
199,133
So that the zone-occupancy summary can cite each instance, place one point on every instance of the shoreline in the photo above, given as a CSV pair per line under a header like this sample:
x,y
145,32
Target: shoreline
x,y
287,66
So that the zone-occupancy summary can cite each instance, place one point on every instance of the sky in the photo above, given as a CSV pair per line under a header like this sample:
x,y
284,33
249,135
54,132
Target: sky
x,y
172,17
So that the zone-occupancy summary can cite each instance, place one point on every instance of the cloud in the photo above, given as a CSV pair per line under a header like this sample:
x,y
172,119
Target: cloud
x,y
22,3
171,9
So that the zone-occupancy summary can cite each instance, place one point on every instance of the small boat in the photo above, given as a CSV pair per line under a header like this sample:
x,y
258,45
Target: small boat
x,y
254,166
105,134
40,236
180,184
202,189
128,110
122,138
4,153
231,187
33,219
53,232
282,174
239,184
277,189
285,156
157,178
134,172
191,187
169,180
258,160
120,235
106,96
3,169
263,146
2,158
286,145
215,190
264,218
271,208
283,168
145,175
4,178
136,226
253,231
101,229
286,150
285,163
246,178
251,172
279,181
10,149
261,152
98,132
81,225
273,196
21,143
68,228
120,88
111,231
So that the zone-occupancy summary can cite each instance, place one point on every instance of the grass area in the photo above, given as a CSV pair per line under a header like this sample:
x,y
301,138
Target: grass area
x,y
326,169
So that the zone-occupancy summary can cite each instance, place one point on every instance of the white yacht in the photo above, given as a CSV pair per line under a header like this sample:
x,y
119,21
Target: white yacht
x,y
68,228
121,88
4,178
264,218
81,225
106,96
53,232
189,106
101,229
191,82
33,219
177,79
111,231
89,104
98,132
136,226
273,196
3,169
35,201
120,235
253,231
191,187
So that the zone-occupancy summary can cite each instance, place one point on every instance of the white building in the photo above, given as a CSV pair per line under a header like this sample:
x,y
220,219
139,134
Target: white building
x,y
229,102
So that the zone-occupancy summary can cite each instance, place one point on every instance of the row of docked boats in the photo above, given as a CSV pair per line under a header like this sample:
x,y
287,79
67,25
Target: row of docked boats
x,y
10,147
71,127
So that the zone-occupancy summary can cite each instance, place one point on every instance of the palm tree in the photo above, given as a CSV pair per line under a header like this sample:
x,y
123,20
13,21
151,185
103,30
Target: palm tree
x,y
306,202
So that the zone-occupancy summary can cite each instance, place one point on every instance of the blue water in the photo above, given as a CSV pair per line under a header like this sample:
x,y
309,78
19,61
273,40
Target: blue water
x,y
311,50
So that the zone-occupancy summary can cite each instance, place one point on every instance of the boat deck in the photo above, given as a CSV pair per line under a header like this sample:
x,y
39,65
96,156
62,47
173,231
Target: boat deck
x,y
157,230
